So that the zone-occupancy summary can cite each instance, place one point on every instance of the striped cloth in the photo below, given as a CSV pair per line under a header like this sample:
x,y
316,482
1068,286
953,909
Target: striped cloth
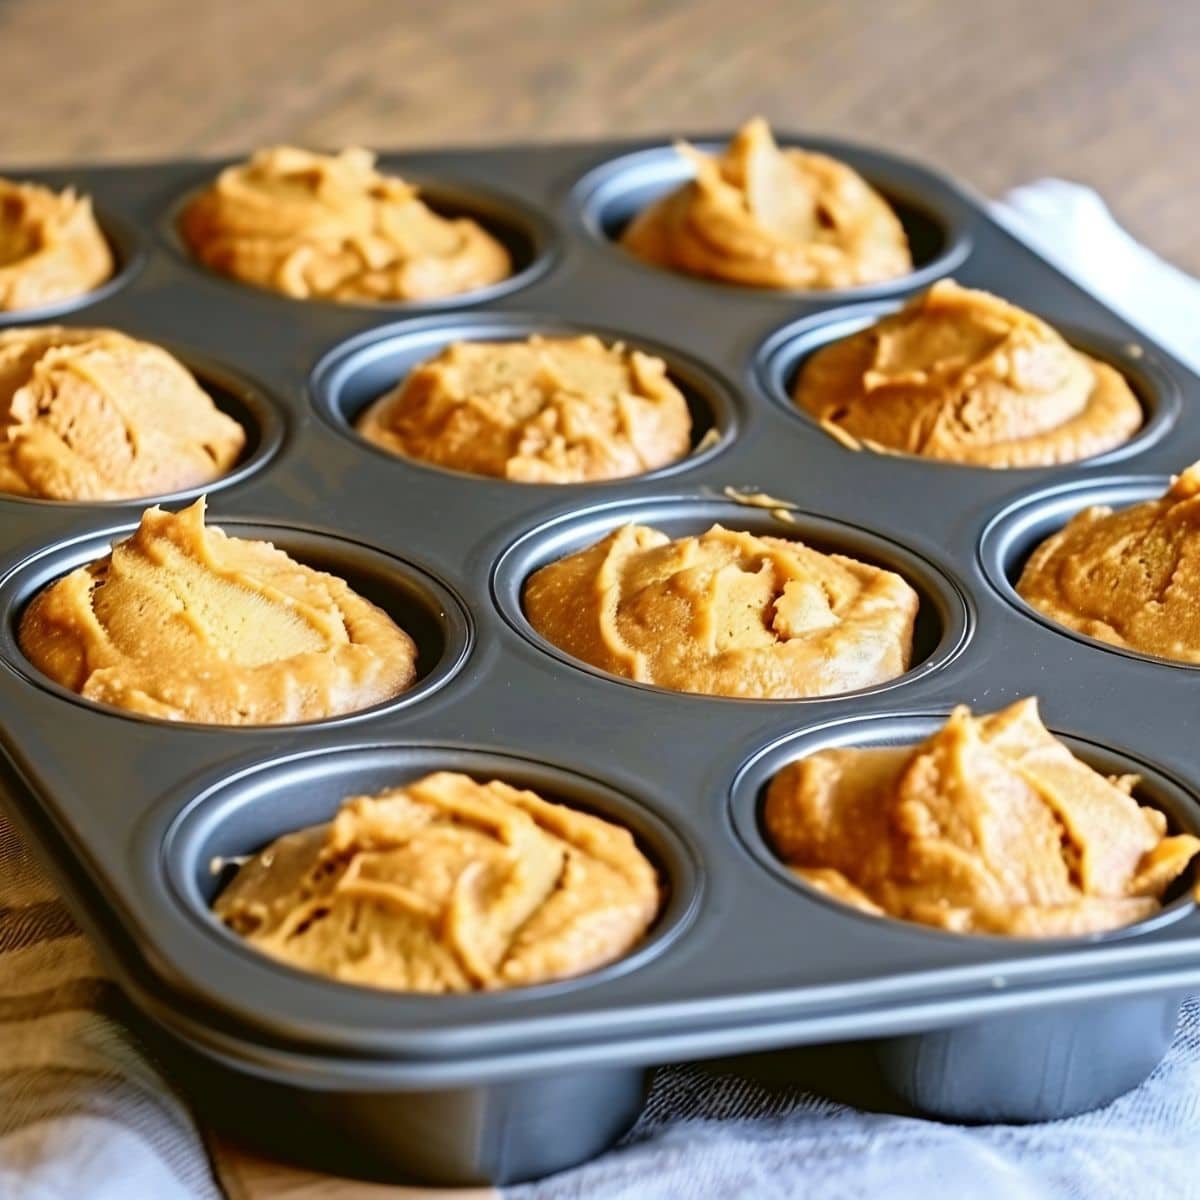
x,y
84,1114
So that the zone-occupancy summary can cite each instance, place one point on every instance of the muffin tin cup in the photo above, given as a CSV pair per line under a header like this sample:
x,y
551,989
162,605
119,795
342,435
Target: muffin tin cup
x,y
129,256
352,376
1012,536
523,231
509,1085
782,356
935,221
424,607
263,418
943,621
499,1131
1088,1056
250,808
1156,789
1090,1053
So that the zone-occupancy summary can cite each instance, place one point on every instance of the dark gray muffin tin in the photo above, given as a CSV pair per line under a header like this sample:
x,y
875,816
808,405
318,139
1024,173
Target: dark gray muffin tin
x,y
129,813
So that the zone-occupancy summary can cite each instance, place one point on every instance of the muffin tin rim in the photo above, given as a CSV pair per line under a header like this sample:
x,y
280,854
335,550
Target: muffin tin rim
x,y
779,356
594,190
273,425
515,212
745,796
449,610
512,568
130,254
725,403
1006,525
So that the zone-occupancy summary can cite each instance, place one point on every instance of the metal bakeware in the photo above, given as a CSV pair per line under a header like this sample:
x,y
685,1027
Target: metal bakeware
x,y
129,812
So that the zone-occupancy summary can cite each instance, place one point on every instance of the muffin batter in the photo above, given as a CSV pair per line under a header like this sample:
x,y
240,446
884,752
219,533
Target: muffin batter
x,y
447,885
51,248
331,227
772,218
1131,578
726,613
989,826
962,375
543,410
184,623
90,414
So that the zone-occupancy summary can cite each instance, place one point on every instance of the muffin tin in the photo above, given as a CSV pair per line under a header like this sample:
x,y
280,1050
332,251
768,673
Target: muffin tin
x,y
131,813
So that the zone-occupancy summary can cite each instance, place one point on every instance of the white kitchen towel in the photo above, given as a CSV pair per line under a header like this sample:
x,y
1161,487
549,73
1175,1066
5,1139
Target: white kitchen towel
x,y
1071,226
725,1136
84,1116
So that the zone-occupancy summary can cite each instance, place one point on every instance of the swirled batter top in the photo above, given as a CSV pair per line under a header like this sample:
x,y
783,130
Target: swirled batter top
x,y
771,218
51,248
989,826
542,410
726,613
90,414
183,622
961,375
447,885
1129,577
331,227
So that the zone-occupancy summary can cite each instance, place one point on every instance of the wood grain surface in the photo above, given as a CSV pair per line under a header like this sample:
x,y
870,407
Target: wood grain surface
x,y
1102,91
247,1176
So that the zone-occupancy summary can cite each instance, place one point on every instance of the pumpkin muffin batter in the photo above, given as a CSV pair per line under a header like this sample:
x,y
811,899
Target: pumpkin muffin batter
x,y
962,375
726,614
331,227
184,623
51,248
989,826
543,410
770,218
1131,577
90,414
447,885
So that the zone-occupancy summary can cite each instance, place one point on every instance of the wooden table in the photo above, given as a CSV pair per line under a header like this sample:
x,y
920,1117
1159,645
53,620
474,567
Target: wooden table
x,y
1102,91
